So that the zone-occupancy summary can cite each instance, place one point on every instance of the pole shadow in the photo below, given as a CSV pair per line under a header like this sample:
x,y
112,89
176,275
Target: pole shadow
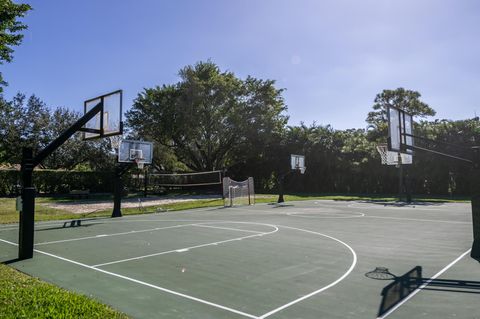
x,y
402,286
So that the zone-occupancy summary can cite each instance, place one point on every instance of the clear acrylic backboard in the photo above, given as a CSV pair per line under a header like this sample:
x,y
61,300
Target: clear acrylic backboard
x,y
135,152
400,130
298,162
108,122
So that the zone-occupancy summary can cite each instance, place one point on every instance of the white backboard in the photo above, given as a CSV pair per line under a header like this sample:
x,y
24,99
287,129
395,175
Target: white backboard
x,y
131,151
298,162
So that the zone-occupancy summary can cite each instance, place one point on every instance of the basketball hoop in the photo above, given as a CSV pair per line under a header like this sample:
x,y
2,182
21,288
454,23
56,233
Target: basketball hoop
x,y
300,169
382,150
393,158
139,162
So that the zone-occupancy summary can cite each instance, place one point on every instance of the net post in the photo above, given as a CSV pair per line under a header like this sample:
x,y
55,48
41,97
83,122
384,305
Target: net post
x,y
475,185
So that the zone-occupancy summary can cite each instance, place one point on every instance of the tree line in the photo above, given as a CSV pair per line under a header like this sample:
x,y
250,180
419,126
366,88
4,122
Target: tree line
x,y
212,120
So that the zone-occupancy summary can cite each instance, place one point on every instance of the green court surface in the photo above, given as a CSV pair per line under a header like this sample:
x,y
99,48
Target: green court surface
x,y
300,260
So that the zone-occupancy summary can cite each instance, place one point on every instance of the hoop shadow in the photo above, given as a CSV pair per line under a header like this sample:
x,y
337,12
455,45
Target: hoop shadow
x,y
75,223
402,286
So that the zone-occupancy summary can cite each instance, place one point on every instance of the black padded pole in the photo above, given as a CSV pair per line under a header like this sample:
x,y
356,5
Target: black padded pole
x,y
27,214
281,181
475,189
120,169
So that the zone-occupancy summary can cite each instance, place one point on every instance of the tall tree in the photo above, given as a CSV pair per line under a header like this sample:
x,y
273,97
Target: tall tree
x,y
10,29
400,98
23,122
209,115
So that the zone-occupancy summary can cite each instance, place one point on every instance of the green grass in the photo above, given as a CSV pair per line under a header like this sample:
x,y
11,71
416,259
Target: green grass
x,y
22,296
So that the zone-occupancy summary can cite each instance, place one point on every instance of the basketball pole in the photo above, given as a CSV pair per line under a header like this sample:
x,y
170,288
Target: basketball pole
x,y
29,162
400,178
120,169
475,185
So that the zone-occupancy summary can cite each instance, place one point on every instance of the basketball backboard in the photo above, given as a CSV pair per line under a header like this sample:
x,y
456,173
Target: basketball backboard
x,y
108,122
400,131
298,162
135,152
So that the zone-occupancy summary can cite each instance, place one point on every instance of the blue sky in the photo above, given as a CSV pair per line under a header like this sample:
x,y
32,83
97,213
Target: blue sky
x,y
331,56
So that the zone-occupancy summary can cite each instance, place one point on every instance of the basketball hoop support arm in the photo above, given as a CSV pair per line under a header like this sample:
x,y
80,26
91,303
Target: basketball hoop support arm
x,y
414,148
29,162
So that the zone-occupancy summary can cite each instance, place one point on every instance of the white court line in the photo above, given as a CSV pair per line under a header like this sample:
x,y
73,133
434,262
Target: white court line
x,y
110,235
325,215
220,306
416,291
8,242
352,266
189,248
378,206
420,220
144,283
227,228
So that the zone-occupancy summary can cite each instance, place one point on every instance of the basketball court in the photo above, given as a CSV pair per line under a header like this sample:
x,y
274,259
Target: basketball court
x,y
294,260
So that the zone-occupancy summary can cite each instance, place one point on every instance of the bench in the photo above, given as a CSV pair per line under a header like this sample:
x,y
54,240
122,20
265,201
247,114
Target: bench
x,y
79,193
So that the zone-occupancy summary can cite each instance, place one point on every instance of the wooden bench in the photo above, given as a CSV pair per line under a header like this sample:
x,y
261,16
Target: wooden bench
x,y
79,193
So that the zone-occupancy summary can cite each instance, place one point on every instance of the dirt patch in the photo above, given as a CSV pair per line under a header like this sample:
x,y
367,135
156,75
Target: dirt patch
x,y
86,206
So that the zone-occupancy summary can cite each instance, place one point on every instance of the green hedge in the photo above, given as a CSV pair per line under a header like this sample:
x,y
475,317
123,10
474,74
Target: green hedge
x,y
57,182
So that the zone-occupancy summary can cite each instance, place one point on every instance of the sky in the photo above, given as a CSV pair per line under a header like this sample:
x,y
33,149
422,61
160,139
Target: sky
x,y
332,56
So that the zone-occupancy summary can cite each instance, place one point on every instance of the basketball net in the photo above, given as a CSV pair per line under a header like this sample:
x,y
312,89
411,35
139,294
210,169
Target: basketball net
x,y
387,160
382,150
140,163
115,142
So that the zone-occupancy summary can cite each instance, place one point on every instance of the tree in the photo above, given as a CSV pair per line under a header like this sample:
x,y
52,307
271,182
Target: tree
x,y
209,117
10,29
400,98
23,122
28,122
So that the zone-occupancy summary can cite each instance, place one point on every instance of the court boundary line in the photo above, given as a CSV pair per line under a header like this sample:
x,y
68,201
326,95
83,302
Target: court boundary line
x,y
226,228
419,219
109,235
319,215
206,302
416,291
311,294
268,314
186,248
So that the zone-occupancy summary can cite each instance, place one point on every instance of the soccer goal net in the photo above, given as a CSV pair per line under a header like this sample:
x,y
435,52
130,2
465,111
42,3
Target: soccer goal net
x,y
238,193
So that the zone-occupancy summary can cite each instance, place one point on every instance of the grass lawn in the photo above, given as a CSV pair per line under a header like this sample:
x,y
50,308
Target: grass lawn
x,y
22,296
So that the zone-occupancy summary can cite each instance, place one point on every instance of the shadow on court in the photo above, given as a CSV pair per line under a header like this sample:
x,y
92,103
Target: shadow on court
x,y
403,286
402,204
